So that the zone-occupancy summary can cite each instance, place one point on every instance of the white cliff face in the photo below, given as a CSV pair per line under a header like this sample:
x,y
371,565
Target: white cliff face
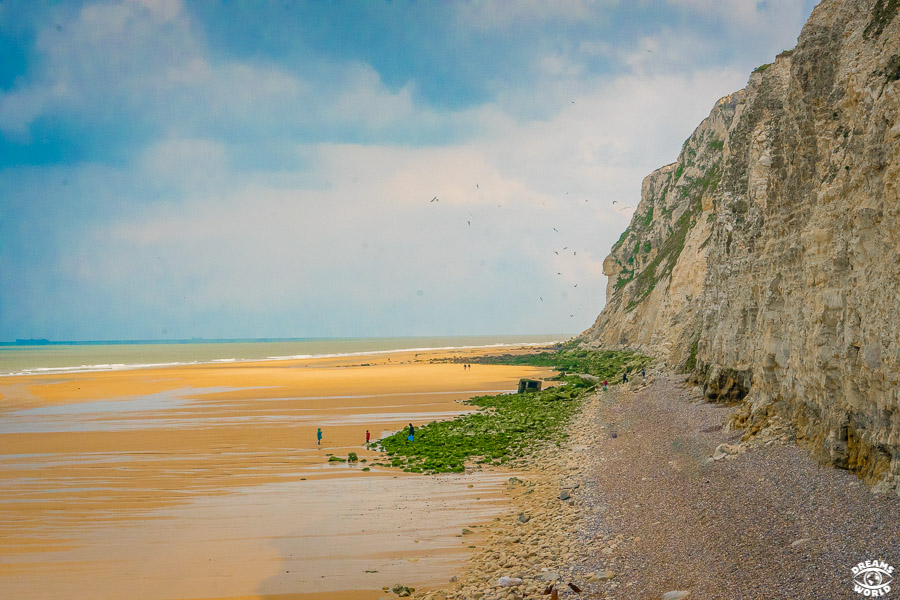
x,y
766,260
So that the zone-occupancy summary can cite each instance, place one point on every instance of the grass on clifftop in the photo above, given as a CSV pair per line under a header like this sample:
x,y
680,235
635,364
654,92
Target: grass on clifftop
x,y
508,424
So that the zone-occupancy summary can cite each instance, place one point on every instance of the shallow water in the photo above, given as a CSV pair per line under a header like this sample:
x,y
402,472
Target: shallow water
x,y
206,481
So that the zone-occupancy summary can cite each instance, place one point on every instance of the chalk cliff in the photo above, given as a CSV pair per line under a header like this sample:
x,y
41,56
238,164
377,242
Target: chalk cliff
x,y
766,259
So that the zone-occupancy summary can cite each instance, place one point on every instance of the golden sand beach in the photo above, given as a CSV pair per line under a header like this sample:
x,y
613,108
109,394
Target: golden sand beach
x,y
206,481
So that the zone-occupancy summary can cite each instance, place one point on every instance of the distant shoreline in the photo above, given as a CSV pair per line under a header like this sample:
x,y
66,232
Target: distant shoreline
x,y
46,342
80,357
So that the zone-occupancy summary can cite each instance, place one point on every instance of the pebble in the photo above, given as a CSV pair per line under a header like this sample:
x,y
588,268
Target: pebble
x,y
676,595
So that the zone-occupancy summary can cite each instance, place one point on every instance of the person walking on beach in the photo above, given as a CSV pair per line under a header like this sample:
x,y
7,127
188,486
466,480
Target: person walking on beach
x,y
412,433
604,385
367,437
643,372
625,377
319,437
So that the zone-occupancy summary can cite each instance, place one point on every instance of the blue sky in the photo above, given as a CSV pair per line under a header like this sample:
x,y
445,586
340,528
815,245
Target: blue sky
x,y
266,169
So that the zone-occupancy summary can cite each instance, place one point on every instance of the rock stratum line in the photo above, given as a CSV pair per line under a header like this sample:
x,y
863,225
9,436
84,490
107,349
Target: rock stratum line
x,y
766,260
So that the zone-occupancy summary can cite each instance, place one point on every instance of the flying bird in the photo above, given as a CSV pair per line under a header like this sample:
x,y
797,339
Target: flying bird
x,y
556,230
556,253
541,297
435,199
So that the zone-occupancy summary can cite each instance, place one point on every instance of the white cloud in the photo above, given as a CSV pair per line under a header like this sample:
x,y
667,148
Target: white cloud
x,y
340,237
488,15
135,63
524,212
752,18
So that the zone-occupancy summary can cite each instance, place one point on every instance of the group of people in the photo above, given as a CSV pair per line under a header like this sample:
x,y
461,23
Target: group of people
x,y
411,436
466,366
625,378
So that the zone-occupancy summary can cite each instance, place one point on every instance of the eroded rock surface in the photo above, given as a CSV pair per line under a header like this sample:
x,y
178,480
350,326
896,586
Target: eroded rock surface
x,y
766,259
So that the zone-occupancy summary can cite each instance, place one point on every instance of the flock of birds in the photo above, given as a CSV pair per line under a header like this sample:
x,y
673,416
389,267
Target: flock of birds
x,y
469,217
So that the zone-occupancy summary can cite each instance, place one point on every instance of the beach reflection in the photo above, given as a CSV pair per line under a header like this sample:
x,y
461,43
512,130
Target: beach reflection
x,y
206,481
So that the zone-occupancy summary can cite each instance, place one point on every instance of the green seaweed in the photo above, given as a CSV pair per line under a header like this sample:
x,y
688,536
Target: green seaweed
x,y
508,424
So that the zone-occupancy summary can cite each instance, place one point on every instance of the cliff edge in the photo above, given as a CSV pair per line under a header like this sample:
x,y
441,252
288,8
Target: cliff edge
x,y
766,260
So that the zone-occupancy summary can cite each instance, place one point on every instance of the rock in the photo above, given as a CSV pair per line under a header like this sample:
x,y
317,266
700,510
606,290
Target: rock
x,y
728,449
779,271
453,579
550,576
601,576
676,595
564,495
799,542
466,531
523,518
509,581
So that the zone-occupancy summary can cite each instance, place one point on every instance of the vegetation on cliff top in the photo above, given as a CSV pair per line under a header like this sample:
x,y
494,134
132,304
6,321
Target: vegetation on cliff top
x,y
508,424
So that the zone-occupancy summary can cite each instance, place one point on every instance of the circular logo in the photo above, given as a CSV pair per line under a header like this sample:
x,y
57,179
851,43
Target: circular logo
x,y
872,578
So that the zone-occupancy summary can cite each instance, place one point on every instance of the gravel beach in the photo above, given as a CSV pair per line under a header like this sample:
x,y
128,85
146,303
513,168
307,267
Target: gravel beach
x,y
652,499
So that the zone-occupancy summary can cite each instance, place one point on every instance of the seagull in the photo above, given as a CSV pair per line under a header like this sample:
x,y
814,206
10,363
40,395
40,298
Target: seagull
x,y
435,199
566,248
614,201
542,299
469,222
576,285
556,253
476,187
574,254
556,230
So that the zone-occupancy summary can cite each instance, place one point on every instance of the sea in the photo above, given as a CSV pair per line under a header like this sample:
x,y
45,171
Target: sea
x,y
84,356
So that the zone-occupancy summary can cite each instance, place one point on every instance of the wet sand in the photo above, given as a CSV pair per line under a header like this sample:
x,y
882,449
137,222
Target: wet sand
x,y
206,481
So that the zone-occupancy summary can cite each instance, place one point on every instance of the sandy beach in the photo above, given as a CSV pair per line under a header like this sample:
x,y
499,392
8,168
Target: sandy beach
x,y
205,481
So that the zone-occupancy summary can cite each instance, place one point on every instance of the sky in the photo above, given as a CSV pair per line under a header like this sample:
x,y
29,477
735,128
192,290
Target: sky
x,y
172,170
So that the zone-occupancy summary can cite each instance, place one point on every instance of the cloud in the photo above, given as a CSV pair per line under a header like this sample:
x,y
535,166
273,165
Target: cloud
x,y
266,198
146,66
754,21
487,15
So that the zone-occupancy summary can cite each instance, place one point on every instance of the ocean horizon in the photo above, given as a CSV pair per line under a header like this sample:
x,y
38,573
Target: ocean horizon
x,y
34,357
